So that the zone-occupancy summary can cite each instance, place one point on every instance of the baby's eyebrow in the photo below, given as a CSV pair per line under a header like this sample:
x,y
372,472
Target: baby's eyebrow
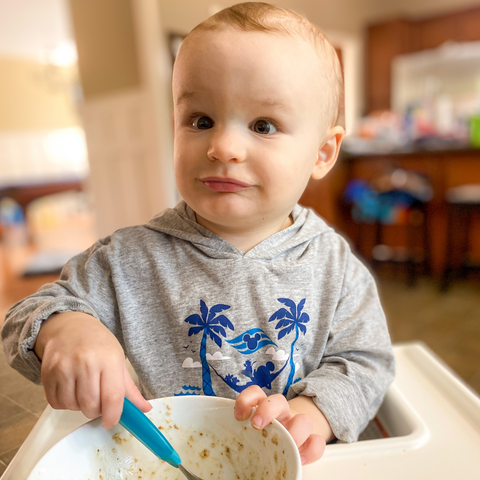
x,y
274,103
264,102
184,96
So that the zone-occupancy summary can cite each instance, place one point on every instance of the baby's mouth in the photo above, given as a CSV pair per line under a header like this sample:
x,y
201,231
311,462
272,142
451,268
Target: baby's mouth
x,y
224,184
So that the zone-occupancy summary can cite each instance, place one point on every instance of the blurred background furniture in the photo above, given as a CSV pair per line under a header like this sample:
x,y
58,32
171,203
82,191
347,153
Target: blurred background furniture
x,y
463,205
24,194
445,169
396,198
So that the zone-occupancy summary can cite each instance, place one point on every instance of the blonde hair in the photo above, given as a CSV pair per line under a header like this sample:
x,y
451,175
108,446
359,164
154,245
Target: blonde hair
x,y
264,17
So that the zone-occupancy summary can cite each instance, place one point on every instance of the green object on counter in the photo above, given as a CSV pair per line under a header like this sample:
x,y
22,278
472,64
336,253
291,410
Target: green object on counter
x,y
475,131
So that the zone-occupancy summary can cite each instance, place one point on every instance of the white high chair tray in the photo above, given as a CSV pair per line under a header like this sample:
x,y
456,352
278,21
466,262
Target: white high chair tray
x,y
432,416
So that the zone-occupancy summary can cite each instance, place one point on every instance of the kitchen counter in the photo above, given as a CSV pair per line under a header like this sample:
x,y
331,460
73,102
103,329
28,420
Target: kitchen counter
x,y
354,146
432,417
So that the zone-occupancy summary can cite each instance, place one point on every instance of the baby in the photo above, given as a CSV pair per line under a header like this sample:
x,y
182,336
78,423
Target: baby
x,y
237,291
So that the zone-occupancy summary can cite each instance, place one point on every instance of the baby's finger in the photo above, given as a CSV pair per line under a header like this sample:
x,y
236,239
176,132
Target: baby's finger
x,y
275,406
312,450
50,388
300,427
112,393
133,394
88,395
248,399
66,394
59,383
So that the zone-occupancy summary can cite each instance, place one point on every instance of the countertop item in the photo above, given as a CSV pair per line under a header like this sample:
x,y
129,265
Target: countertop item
x,y
432,417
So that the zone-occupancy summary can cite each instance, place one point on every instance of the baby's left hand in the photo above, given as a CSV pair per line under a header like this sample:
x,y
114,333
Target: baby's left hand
x,y
310,445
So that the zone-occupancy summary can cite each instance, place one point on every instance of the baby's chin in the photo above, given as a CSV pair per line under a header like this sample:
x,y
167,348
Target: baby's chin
x,y
231,211
226,216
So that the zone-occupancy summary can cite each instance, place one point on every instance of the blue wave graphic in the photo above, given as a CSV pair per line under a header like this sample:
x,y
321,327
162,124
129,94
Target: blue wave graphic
x,y
250,341
191,387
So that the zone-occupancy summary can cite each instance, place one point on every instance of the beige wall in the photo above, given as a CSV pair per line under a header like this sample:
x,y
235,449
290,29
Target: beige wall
x,y
29,102
337,15
125,70
418,8
182,15
106,45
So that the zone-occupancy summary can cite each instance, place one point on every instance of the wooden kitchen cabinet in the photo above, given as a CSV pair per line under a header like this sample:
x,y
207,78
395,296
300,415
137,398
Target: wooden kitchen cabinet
x,y
384,42
390,38
433,32
469,26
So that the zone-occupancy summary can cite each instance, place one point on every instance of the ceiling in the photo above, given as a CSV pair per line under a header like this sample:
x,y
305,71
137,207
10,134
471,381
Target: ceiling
x,y
29,26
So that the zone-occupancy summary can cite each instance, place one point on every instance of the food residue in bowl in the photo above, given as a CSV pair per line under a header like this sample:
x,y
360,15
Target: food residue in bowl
x,y
216,454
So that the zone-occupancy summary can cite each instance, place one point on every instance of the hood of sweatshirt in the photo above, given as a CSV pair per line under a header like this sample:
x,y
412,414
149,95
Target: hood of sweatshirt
x,y
180,222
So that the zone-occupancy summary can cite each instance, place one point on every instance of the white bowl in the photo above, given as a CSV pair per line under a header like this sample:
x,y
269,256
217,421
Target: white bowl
x,y
204,432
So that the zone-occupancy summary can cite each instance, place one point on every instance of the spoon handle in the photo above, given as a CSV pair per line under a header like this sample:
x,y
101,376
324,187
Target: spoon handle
x,y
138,424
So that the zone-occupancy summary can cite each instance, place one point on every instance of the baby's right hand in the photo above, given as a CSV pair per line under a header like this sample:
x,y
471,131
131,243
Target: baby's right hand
x,y
83,368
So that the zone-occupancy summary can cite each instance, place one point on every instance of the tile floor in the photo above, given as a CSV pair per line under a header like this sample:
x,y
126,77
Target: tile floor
x,y
21,402
449,323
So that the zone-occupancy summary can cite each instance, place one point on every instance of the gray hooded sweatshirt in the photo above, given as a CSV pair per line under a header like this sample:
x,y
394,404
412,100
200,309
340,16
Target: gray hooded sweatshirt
x,y
298,314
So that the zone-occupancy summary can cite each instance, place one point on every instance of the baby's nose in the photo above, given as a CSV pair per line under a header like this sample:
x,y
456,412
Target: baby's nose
x,y
227,145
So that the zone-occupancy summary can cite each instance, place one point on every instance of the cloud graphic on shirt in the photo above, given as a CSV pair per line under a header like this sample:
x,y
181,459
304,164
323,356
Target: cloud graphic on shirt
x,y
216,356
189,363
280,355
277,354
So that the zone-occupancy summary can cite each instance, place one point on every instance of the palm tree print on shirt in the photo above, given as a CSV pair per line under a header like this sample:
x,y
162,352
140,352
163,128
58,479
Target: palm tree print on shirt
x,y
212,325
290,319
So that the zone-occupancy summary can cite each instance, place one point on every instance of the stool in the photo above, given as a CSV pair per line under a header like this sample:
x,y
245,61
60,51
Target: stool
x,y
395,197
462,203
414,256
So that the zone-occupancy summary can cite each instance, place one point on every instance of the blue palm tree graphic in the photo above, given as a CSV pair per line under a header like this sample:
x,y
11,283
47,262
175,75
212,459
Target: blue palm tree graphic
x,y
211,325
290,319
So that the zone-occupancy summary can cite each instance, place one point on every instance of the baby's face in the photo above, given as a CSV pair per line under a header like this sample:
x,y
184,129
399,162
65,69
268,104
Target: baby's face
x,y
247,124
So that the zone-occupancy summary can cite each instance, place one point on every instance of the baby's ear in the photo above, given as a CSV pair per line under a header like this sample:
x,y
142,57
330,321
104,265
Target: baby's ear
x,y
328,153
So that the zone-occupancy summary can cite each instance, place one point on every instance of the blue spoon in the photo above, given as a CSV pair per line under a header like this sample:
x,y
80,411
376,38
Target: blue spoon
x,y
138,424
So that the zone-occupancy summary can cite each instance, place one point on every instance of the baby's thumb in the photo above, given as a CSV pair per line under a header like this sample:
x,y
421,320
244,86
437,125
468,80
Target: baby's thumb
x,y
134,395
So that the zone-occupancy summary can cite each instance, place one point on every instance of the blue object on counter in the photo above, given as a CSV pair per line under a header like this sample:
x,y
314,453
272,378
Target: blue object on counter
x,y
139,425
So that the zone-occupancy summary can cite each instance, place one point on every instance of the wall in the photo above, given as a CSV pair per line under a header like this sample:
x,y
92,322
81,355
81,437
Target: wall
x,y
41,139
106,45
125,70
182,15
29,102
347,16
381,9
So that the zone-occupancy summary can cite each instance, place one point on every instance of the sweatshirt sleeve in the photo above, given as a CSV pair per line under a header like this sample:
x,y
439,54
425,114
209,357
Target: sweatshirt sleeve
x,y
358,364
85,285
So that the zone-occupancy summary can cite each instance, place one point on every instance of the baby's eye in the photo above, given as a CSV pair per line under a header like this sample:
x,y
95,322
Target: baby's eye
x,y
262,126
202,123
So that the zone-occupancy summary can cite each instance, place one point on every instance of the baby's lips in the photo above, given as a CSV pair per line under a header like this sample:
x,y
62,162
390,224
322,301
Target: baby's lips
x,y
225,184
232,180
